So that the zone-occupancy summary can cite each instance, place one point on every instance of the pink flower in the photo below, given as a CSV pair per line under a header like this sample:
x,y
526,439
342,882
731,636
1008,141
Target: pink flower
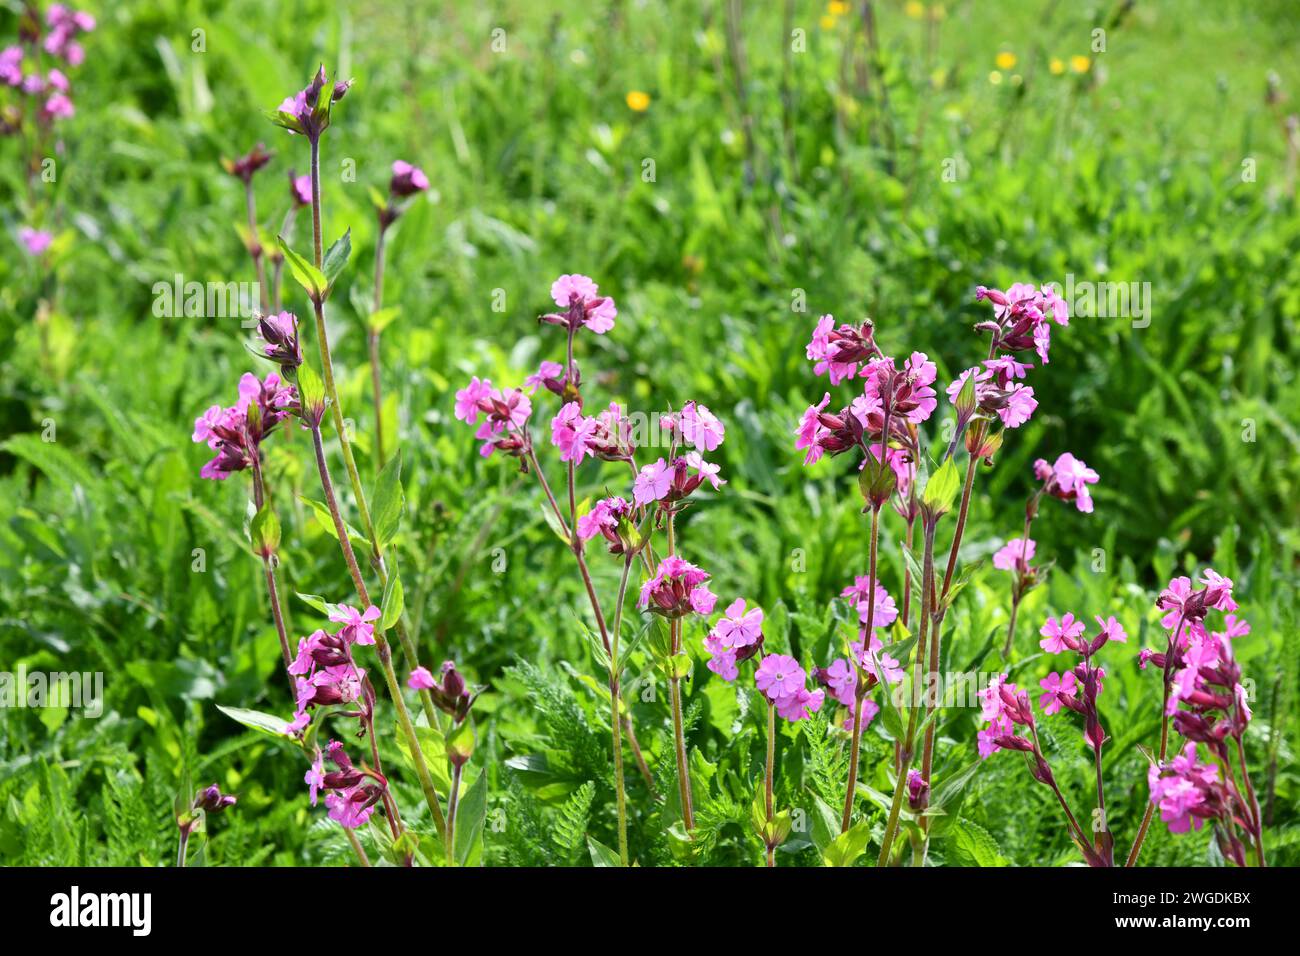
x,y
838,351
315,778
857,593
1061,634
880,665
986,740
305,662
652,483
1056,687
579,296
809,429
470,399
357,627
352,807
547,370
1015,555
841,679
1112,629
779,676
1020,404
407,179
1068,480
11,65
700,427
738,628
35,241
722,661
571,433
300,189
800,705
421,679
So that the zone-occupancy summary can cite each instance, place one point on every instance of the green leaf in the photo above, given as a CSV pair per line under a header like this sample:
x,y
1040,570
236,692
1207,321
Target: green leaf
x,y
602,855
389,500
317,602
378,321
267,724
470,816
394,601
969,844
435,754
553,523
336,258
308,276
326,520
847,847
311,390
941,489
265,531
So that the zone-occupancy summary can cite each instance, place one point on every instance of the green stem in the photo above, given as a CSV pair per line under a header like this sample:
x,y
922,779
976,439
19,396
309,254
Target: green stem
x,y
675,699
616,723
768,774
846,818
373,340
384,652
900,784
453,803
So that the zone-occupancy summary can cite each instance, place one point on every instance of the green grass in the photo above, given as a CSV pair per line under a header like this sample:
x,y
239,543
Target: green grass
x,y
1130,172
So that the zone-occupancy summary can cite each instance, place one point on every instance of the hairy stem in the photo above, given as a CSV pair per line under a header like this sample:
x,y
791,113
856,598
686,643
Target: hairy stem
x,y
900,784
615,721
372,337
855,745
768,772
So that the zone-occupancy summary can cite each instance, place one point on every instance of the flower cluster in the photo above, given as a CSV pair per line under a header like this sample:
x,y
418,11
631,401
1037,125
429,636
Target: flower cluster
x,y
451,696
1020,319
308,111
604,519
324,671
1005,707
236,433
606,436
21,69
840,678
1020,323
784,684
1201,673
893,399
1078,688
352,795
279,335
677,589
583,305
505,417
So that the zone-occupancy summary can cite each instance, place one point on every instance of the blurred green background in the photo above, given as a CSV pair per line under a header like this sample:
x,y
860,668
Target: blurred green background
x,y
779,154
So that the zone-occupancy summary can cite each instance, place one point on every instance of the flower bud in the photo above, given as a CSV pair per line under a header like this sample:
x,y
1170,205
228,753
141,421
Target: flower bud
x,y
918,791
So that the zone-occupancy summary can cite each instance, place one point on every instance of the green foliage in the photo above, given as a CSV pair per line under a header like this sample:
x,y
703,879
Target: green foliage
x,y
115,558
